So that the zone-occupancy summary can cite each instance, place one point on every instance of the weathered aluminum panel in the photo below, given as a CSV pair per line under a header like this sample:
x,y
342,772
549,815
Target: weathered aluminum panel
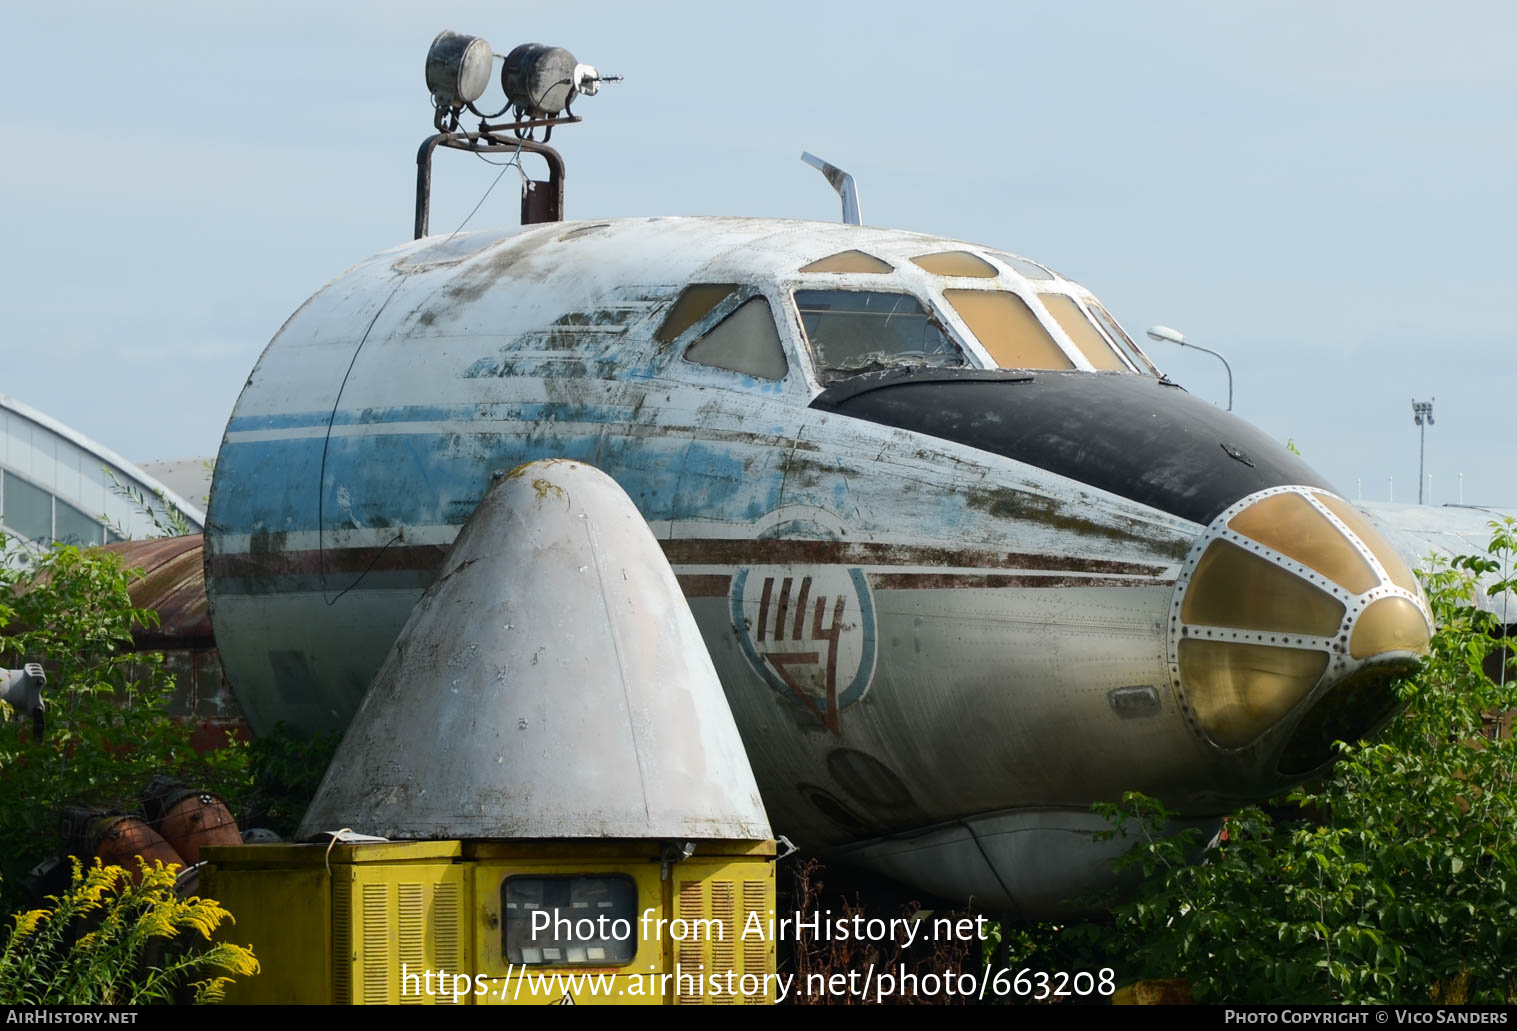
x,y
551,684
1444,532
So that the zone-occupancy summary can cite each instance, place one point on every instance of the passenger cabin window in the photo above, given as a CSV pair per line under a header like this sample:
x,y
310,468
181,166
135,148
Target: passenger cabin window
x,y
1085,336
1007,328
854,331
745,341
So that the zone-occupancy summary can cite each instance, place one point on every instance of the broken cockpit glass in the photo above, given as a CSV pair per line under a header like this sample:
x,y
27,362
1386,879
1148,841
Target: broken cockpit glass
x,y
854,331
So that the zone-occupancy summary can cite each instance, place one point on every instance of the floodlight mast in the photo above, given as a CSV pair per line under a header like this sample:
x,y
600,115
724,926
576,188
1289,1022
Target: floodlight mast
x,y
1422,410
540,83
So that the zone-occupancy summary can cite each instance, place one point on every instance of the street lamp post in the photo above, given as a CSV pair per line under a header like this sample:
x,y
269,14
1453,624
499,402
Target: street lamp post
x,y
1174,336
1421,410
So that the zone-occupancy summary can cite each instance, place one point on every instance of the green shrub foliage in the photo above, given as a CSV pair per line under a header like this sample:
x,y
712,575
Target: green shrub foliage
x,y
108,726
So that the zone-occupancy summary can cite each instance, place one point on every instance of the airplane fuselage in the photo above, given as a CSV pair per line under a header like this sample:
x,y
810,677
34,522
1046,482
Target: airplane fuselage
x,y
949,598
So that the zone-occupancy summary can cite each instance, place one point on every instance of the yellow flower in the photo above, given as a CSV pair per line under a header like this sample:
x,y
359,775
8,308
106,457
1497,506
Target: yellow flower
x,y
27,922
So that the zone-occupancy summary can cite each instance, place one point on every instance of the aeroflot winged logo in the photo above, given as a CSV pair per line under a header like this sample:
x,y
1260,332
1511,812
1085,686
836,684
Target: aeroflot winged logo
x,y
809,631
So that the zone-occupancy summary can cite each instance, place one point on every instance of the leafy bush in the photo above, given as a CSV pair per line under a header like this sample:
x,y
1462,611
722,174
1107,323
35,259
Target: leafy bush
x,y
109,940
108,725
1394,879
285,771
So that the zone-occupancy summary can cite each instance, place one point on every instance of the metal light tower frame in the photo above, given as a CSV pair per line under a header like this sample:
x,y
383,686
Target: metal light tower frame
x,y
1422,413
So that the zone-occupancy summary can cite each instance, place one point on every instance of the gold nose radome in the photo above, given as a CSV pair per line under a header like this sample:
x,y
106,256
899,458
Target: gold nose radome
x,y
1291,593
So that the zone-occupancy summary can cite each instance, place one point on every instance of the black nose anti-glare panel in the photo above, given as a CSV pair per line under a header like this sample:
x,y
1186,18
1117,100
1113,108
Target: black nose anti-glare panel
x,y
1140,438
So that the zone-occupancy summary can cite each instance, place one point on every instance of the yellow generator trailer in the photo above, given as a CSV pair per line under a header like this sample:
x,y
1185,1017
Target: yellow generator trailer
x,y
492,922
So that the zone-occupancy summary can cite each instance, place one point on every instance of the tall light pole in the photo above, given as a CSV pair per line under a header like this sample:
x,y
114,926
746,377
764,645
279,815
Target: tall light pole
x,y
1422,412
1174,336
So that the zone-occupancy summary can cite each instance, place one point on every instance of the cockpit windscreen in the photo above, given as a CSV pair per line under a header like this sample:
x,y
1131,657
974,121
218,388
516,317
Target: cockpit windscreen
x,y
854,331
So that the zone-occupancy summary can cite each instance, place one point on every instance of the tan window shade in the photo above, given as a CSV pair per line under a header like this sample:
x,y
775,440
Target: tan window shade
x,y
1238,691
849,261
745,341
1395,567
1389,625
1008,329
956,263
1290,524
1234,588
1085,336
693,305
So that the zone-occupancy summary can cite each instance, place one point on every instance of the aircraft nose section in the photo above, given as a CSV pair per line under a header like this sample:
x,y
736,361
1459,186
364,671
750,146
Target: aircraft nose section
x,y
1291,617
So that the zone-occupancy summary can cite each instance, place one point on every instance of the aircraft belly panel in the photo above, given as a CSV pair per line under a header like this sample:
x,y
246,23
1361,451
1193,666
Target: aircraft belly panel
x,y
312,665
1036,863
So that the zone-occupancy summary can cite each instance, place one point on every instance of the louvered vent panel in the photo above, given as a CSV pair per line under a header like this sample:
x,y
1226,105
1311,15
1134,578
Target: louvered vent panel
x,y
445,933
412,939
721,942
756,946
342,939
690,907
376,944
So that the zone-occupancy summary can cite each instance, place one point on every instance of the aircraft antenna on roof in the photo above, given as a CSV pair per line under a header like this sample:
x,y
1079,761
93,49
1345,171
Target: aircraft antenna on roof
x,y
843,183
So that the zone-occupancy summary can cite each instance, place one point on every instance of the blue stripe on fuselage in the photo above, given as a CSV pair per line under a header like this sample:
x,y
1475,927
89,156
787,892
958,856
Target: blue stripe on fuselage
x,y
437,478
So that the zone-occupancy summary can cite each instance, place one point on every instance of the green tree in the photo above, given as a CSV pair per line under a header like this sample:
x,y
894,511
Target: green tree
x,y
108,724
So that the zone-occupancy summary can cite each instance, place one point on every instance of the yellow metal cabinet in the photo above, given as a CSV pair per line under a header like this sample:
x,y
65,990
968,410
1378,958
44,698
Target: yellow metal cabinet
x,y
494,922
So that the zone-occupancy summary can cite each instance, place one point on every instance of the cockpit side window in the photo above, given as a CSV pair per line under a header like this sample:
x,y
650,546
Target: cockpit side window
x,y
956,263
850,261
694,303
1026,269
1120,337
1008,329
854,331
1066,312
746,341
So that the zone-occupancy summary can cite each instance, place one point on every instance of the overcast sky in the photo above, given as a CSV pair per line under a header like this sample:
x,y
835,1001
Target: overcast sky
x,y
1320,191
